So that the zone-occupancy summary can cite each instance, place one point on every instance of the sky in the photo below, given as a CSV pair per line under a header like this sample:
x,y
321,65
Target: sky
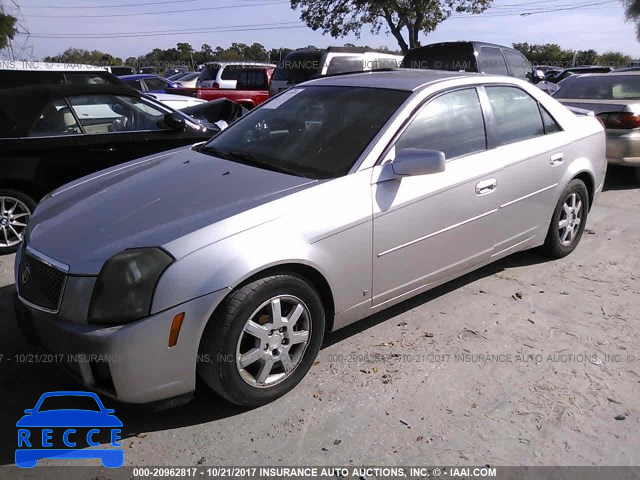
x,y
597,24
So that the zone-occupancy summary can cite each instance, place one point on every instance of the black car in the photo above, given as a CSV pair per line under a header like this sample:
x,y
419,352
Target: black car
x,y
12,78
472,57
568,72
53,134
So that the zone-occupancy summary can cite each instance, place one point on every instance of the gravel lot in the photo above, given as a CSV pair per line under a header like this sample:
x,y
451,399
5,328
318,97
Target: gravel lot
x,y
525,362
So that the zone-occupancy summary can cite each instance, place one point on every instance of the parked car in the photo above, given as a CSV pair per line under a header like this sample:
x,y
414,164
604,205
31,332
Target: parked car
x,y
119,71
19,74
567,72
224,75
149,83
172,71
615,99
148,71
177,102
176,76
50,135
328,203
187,81
304,64
472,56
252,88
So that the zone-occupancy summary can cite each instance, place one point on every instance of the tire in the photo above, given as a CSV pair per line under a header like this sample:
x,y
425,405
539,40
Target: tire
x,y
15,208
244,324
560,242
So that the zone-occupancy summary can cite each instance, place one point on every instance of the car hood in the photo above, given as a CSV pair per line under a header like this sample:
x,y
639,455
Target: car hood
x,y
148,202
69,418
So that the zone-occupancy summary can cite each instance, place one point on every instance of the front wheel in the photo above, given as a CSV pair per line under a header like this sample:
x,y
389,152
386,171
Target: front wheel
x,y
568,221
15,211
262,340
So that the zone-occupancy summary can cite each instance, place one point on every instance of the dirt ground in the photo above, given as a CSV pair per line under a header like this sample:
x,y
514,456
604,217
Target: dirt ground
x,y
525,362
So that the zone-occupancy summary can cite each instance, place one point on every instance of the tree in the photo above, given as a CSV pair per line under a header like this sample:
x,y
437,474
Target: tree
x,y
79,55
8,29
614,59
632,12
340,18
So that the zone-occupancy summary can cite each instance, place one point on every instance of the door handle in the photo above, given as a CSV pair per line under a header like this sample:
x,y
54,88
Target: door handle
x,y
486,186
556,159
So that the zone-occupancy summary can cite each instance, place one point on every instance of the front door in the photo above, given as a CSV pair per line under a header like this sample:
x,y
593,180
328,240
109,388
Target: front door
x,y
430,227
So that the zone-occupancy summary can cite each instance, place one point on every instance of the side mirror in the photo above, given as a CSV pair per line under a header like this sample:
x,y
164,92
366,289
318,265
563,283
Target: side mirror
x,y
174,121
536,76
417,161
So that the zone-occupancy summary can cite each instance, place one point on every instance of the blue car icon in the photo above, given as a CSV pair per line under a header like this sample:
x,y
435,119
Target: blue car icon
x,y
36,430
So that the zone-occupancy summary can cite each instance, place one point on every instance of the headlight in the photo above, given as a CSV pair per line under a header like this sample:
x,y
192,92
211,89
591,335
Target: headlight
x,y
125,286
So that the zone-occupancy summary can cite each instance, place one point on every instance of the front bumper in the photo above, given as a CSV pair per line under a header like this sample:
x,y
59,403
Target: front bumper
x,y
131,363
623,148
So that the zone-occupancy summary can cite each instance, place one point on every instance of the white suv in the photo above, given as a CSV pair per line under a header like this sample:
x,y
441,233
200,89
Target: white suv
x,y
305,63
224,75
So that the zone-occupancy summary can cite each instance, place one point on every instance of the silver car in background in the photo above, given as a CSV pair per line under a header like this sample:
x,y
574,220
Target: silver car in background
x,y
615,99
334,200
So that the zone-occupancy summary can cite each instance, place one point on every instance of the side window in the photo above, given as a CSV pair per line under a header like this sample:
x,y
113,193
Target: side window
x,y
252,80
137,84
156,84
550,125
231,72
492,61
452,123
56,119
101,114
517,114
518,65
344,64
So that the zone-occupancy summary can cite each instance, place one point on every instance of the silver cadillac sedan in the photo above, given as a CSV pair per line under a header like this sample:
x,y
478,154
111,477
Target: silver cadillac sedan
x,y
229,260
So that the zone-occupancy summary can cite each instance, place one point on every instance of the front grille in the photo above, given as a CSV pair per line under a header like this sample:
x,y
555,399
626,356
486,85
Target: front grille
x,y
40,283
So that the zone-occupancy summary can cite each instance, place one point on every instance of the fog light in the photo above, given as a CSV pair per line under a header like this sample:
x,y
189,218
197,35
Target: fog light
x,y
176,325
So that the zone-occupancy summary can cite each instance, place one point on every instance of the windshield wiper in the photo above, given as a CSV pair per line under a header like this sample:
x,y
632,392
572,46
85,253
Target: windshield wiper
x,y
253,161
214,151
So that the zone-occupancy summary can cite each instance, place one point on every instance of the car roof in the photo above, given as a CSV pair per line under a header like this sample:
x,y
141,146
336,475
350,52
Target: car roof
x,y
138,76
475,44
402,79
21,65
23,105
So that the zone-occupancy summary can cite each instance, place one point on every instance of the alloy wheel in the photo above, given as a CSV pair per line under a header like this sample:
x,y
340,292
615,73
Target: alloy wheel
x,y
14,216
273,341
570,219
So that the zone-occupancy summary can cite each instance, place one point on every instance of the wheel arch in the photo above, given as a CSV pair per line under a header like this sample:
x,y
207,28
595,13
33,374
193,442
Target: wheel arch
x,y
589,182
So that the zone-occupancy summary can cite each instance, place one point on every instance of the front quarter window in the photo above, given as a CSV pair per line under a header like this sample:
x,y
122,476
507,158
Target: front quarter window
x,y
314,132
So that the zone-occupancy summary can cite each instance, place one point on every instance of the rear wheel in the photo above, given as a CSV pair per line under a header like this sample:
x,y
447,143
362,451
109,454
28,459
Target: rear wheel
x,y
263,340
568,221
15,211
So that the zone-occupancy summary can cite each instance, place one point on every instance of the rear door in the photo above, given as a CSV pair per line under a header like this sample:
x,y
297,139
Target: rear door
x,y
529,144
519,67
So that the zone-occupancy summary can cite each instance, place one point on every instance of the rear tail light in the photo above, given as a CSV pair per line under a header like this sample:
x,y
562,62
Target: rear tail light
x,y
623,120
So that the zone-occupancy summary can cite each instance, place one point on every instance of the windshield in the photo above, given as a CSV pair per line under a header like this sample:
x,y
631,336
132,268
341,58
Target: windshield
x,y
298,67
601,87
66,402
314,132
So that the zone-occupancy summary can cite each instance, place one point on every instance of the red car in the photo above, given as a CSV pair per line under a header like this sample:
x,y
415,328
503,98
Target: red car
x,y
252,88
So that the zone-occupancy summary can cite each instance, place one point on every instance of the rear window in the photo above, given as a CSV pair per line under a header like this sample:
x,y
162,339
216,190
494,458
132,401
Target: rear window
x,y
601,87
209,72
452,57
298,67
345,64
156,84
122,71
